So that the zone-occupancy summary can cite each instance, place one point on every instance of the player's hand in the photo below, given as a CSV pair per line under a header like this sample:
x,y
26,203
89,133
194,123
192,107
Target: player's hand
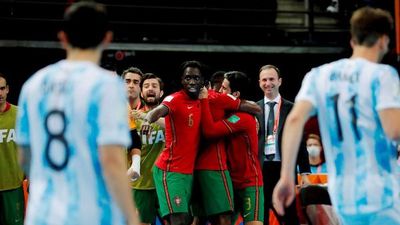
x,y
145,128
132,174
283,195
134,221
134,171
136,114
305,181
256,108
133,218
203,93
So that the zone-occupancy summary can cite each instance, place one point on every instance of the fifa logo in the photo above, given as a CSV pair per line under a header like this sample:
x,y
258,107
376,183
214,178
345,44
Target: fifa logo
x,y
153,138
7,135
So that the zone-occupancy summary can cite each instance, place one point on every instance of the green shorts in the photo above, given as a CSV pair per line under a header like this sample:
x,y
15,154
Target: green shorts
x,y
250,203
146,203
173,191
215,191
12,206
196,202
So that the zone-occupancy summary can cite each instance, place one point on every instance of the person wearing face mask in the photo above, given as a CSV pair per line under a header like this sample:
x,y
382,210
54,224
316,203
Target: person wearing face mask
x,y
316,154
357,101
315,198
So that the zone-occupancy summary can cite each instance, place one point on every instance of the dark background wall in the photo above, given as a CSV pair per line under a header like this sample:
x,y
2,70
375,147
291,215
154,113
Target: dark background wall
x,y
208,22
18,64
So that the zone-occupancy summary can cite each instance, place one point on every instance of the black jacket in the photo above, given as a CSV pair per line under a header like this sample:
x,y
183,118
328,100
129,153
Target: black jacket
x,y
286,106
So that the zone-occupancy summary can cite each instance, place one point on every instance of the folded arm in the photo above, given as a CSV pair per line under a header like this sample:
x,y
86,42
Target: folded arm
x,y
152,116
249,107
210,128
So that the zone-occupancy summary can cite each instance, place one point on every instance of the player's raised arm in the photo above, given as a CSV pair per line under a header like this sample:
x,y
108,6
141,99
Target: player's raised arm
x,y
152,116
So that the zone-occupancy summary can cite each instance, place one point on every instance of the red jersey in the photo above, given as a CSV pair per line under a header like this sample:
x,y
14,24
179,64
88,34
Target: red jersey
x,y
242,149
182,133
212,153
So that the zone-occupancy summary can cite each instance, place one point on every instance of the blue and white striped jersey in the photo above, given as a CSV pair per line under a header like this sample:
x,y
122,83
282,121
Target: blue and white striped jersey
x,y
67,110
347,95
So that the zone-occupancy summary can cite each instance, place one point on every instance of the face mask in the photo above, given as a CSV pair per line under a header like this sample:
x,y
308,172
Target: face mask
x,y
314,150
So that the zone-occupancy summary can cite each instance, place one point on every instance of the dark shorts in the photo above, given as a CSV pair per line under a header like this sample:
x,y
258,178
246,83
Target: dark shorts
x,y
12,207
146,203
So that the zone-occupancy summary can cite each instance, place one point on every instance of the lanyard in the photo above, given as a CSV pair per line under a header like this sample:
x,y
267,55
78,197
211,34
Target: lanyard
x,y
276,122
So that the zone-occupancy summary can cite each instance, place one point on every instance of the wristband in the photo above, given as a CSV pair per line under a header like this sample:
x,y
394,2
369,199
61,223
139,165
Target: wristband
x,y
136,163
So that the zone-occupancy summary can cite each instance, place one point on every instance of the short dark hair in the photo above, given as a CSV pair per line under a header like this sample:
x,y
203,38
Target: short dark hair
x,y
368,24
193,64
85,24
4,77
132,70
147,76
217,78
269,66
238,81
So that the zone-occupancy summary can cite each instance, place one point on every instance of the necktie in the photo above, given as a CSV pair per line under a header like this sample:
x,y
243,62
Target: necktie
x,y
270,125
271,118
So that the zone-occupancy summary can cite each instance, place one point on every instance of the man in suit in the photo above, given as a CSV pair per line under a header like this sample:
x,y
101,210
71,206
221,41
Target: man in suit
x,y
271,123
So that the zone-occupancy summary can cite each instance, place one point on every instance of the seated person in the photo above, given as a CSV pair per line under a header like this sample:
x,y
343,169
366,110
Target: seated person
x,y
316,154
315,199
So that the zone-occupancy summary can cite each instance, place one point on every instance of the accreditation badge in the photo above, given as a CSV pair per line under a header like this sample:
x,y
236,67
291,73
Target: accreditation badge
x,y
270,147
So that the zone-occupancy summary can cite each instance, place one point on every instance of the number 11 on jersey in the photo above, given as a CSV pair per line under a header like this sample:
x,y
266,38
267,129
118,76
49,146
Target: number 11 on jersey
x,y
350,108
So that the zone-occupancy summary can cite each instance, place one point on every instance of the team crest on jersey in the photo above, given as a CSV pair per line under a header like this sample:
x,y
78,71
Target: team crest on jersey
x,y
177,200
233,119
